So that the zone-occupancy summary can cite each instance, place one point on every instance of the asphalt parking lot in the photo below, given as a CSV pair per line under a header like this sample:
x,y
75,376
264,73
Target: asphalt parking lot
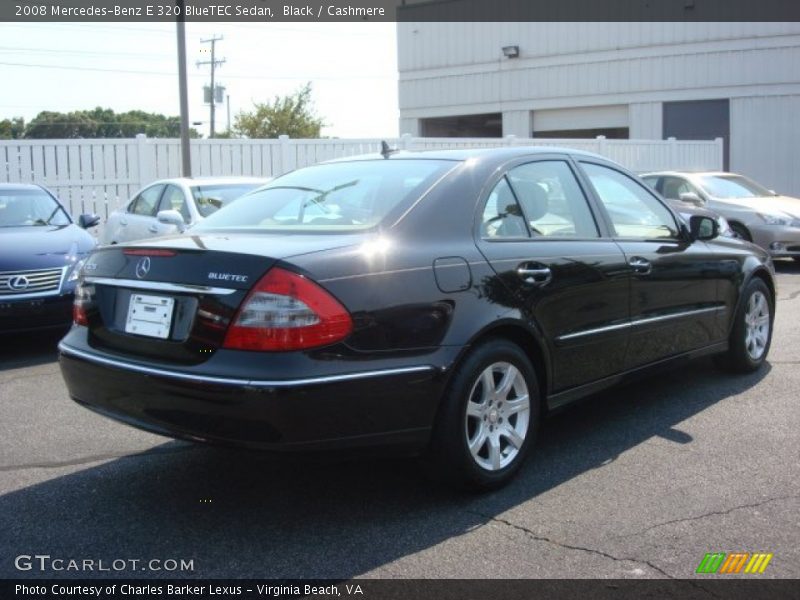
x,y
639,482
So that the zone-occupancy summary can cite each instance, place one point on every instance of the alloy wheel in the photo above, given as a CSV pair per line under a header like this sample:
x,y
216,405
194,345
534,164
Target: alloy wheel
x,y
757,324
497,416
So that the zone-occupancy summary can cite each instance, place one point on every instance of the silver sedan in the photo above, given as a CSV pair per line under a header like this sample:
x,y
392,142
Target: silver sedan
x,y
755,213
171,205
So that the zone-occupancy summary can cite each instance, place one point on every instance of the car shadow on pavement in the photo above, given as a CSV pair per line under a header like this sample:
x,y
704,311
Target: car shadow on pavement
x,y
787,266
29,349
239,514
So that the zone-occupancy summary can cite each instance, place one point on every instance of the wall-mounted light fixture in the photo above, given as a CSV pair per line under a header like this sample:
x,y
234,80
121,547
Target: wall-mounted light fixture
x,y
511,51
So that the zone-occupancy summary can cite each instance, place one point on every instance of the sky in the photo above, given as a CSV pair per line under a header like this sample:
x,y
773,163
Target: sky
x,y
79,66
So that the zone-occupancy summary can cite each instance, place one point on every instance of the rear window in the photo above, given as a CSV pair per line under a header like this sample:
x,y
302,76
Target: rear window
x,y
346,196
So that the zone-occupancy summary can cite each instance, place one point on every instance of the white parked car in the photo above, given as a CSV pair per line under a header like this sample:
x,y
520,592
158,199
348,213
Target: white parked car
x,y
171,205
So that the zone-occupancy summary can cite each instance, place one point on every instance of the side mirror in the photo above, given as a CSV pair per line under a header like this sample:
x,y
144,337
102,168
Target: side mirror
x,y
773,192
171,217
86,220
691,198
703,228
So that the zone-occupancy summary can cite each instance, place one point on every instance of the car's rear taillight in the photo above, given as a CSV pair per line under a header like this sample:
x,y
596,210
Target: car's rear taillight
x,y
83,299
286,311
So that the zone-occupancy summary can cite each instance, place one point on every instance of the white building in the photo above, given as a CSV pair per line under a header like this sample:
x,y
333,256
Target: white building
x,y
738,81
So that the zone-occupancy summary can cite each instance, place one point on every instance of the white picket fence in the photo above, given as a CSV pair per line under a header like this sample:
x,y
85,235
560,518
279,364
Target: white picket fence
x,y
99,175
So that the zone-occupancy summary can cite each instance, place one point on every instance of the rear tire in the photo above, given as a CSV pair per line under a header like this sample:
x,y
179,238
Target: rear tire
x,y
751,335
488,418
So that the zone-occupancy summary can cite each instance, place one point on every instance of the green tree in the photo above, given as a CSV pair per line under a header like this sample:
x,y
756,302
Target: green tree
x,y
291,115
12,129
102,123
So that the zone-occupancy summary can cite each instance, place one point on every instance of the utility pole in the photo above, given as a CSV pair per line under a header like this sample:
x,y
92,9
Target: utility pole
x,y
186,162
214,64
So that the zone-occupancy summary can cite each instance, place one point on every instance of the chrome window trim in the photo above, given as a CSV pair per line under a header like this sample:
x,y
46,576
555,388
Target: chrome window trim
x,y
638,322
255,383
160,286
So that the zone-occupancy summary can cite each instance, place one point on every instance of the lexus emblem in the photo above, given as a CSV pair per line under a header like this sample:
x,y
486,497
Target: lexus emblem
x,y
143,267
18,283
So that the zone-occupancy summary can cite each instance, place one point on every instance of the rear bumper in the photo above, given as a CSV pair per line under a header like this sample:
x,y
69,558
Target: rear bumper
x,y
47,312
386,407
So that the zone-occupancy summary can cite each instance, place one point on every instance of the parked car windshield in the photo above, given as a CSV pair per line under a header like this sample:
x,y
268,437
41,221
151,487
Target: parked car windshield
x,y
210,198
22,208
345,196
732,186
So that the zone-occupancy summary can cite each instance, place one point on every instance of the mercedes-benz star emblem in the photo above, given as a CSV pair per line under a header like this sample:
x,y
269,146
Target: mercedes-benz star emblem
x,y
18,283
143,267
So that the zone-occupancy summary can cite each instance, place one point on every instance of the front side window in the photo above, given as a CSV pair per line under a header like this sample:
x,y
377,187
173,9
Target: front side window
x,y
174,199
675,186
346,196
209,198
502,216
634,212
22,208
552,200
145,203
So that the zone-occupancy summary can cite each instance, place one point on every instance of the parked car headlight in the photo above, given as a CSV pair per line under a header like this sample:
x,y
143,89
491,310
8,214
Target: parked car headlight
x,y
773,219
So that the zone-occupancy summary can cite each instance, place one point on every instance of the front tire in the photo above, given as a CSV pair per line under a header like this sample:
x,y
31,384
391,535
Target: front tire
x,y
752,329
488,419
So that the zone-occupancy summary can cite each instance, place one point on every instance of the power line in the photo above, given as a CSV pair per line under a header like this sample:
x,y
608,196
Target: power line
x,y
173,74
18,50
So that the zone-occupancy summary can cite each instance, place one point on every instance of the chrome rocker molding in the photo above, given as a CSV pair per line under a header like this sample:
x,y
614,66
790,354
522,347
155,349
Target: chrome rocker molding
x,y
159,286
254,383
638,322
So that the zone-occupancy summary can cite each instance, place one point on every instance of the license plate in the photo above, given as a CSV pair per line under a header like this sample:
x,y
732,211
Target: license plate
x,y
150,315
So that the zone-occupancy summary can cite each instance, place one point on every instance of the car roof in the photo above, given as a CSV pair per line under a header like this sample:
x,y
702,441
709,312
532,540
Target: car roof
x,y
10,187
685,173
462,154
210,180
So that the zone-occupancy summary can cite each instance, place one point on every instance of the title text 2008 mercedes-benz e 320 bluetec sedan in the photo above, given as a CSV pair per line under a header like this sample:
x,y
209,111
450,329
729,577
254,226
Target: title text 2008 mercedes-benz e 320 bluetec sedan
x,y
436,302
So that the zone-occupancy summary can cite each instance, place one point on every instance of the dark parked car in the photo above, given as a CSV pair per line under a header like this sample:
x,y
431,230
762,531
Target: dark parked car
x,y
40,252
439,303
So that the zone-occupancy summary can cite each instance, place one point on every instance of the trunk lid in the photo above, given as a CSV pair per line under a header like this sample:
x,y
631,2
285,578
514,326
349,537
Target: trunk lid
x,y
172,299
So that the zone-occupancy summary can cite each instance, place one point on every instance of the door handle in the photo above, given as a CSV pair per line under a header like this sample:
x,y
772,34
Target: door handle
x,y
535,276
640,265
152,229
123,222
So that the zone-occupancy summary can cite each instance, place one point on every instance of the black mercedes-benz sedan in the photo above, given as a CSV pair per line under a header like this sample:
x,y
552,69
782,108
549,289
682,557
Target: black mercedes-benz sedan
x,y
40,253
437,303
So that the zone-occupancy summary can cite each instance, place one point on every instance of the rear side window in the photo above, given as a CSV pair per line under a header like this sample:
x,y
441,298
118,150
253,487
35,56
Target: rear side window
x,y
634,212
145,203
502,216
552,200
347,196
